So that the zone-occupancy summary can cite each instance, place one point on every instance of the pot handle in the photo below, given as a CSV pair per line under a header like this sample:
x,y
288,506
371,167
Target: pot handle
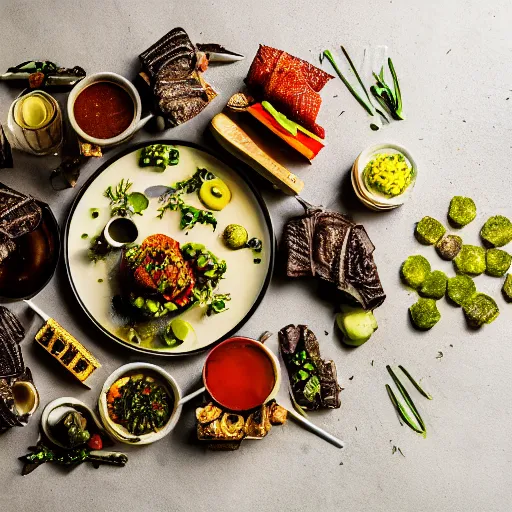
x,y
187,398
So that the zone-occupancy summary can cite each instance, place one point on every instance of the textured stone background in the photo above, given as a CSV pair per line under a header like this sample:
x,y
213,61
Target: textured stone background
x,y
453,58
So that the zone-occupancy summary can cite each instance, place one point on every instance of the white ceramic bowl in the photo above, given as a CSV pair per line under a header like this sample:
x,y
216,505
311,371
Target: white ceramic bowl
x,y
120,433
380,200
115,79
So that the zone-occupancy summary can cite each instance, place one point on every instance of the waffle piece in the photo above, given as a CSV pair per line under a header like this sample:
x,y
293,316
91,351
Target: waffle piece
x,y
67,350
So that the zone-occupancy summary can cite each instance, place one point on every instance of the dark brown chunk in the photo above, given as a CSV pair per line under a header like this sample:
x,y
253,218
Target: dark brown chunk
x,y
329,245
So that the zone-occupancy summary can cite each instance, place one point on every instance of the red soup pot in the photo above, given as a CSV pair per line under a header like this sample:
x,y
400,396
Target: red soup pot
x,y
241,374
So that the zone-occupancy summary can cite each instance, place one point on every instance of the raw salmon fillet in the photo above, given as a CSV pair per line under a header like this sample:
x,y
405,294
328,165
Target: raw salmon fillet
x,y
290,84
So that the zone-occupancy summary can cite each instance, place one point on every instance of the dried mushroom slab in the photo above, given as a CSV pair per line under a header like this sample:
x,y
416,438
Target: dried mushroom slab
x,y
462,211
470,260
414,270
460,289
480,309
498,262
497,231
429,231
449,246
424,314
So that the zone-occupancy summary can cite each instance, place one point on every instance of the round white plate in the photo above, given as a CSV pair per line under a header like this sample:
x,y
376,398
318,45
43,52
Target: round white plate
x,y
95,284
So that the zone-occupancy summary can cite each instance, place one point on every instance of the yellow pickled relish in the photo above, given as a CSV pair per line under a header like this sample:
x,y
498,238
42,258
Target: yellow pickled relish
x,y
388,174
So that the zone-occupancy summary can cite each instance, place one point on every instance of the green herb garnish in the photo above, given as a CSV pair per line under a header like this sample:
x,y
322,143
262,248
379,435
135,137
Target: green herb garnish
x,y
95,213
366,105
414,383
418,425
190,215
84,236
124,204
389,99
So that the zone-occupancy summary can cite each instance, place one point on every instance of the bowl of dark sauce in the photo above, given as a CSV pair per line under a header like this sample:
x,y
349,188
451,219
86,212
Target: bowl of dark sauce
x,y
105,109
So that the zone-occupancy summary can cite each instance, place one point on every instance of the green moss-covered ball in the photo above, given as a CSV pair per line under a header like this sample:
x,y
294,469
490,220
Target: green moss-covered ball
x,y
235,236
470,260
424,313
498,262
462,211
480,309
507,288
449,246
460,289
497,231
434,285
414,270
429,231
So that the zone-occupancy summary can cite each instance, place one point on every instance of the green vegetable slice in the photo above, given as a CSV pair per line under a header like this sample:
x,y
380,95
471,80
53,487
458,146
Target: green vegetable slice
x,y
312,388
137,202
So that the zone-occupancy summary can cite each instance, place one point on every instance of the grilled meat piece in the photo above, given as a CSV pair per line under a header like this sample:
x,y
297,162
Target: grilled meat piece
x,y
19,214
172,67
327,244
157,267
290,84
313,381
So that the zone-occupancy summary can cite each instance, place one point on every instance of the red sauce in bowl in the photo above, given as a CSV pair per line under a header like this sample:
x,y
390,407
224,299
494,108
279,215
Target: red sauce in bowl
x,y
239,375
104,110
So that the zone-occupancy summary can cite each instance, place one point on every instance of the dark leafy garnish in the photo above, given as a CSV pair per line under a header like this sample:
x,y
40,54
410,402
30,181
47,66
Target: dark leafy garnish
x,y
389,99
190,215
41,453
142,407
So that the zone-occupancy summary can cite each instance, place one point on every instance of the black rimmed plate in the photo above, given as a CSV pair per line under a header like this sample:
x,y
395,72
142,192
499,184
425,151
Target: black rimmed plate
x,y
96,284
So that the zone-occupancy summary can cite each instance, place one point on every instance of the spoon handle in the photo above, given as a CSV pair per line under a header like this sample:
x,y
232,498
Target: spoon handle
x,y
316,430
187,398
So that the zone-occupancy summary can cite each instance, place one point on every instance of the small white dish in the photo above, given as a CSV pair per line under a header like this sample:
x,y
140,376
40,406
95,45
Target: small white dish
x,y
120,433
365,201
116,79
380,200
58,408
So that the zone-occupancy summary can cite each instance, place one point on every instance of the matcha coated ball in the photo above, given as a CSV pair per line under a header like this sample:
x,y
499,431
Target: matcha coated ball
x,y
235,236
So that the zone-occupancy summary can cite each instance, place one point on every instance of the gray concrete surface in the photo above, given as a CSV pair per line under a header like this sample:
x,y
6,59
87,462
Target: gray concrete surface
x,y
453,58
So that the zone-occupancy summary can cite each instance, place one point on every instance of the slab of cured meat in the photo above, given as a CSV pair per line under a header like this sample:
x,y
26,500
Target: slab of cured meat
x,y
290,84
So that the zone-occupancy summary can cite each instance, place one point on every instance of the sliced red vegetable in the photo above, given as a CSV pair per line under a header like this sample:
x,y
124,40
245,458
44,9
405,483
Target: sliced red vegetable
x,y
95,442
307,145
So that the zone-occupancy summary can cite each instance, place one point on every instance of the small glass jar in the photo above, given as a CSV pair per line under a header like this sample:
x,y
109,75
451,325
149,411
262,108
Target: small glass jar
x,y
37,131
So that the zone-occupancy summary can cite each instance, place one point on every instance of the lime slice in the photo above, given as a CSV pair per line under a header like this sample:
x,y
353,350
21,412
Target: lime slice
x,y
182,330
34,111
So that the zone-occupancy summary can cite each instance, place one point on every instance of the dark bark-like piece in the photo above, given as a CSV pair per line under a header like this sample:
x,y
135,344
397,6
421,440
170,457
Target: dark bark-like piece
x,y
5,151
301,353
172,68
7,247
19,214
327,244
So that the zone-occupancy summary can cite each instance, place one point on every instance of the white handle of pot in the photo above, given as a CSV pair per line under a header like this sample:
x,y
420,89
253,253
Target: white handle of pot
x,y
34,308
187,398
320,432
142,122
